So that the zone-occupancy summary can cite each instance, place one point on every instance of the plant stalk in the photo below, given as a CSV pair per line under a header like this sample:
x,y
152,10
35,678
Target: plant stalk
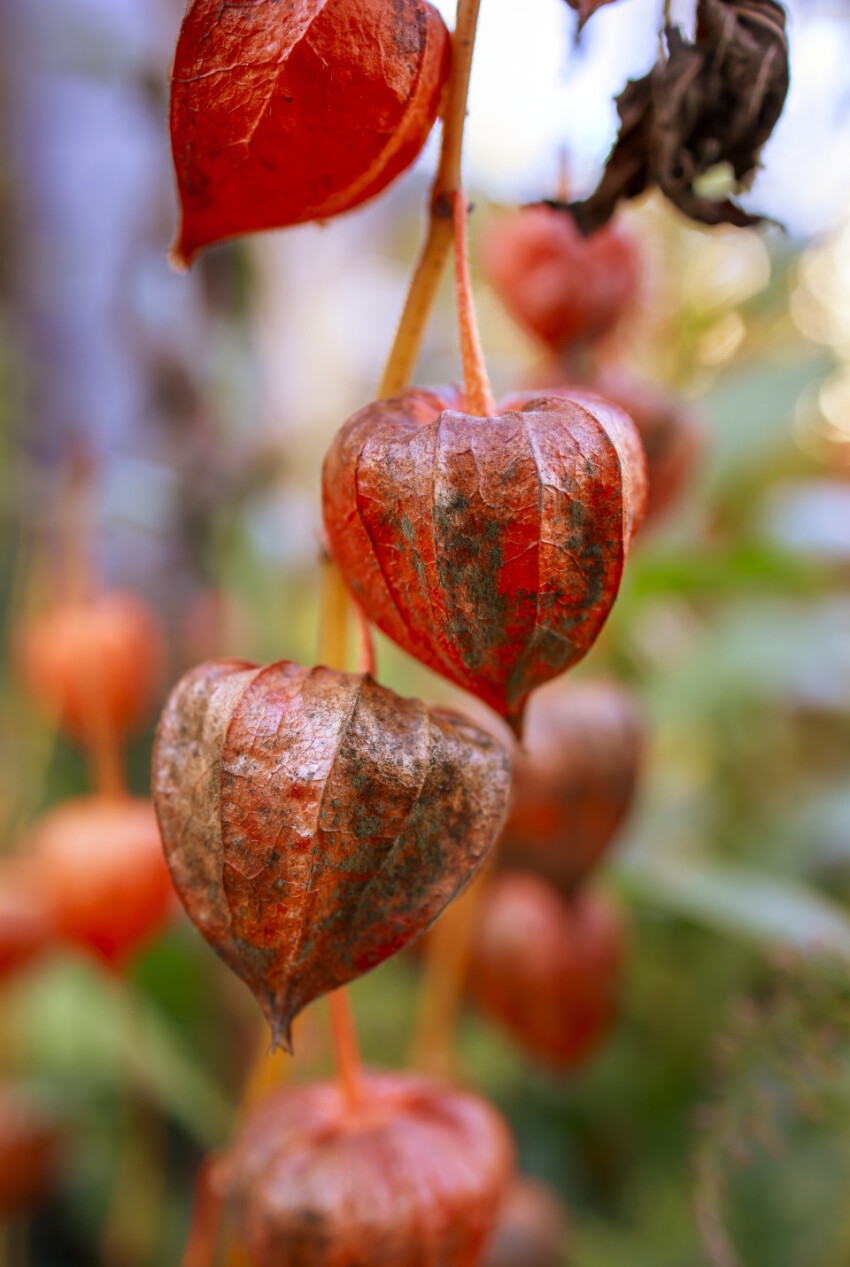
x,y
478,393
336,607
428,274
444,976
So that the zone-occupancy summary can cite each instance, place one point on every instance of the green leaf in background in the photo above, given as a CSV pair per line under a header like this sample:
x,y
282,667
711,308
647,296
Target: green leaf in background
x,y
739,900
90,1030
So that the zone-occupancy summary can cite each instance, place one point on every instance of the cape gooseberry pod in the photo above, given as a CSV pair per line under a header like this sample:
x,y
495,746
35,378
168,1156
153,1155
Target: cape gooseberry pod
x,y
546,968
491,549
315,822
413,1175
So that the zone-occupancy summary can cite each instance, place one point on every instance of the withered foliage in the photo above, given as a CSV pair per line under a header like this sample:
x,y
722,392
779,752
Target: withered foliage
x,y
702,104
315,822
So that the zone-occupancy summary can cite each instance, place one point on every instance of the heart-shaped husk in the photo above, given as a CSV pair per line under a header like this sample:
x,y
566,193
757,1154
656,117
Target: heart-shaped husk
x,y
490,548
283,113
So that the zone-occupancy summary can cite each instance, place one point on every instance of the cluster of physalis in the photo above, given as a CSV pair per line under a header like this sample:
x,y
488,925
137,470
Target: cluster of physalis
x,y
316,823
89,875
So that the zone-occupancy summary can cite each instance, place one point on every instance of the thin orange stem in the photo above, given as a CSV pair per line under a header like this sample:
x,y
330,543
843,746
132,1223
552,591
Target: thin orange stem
x,y
444,977
366,654
236,1256
333,617
434,257
479,395
207,1213
333,639
349,1069
106,760
77,529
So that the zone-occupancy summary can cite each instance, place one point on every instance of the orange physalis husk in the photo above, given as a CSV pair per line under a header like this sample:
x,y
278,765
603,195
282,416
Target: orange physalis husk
x,y
93,663
282,113
491,549
101,862
532,1228
414,1173
566,289
574,780
547,968
316,822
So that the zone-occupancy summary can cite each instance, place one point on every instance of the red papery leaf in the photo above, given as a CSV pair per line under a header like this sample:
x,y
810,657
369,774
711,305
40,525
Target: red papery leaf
x,y
282,113
315,822
489,548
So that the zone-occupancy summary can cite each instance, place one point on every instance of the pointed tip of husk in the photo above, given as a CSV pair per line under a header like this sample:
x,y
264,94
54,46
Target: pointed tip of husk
x,y
183,249
280,1018
516,721
178,258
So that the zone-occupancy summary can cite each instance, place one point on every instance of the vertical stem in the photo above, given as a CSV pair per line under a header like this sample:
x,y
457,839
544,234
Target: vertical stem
x,y
366,654
333,617
444,975
479,396
334,645
106,760
236,1256
76,529
428,274
207,1212
346,1047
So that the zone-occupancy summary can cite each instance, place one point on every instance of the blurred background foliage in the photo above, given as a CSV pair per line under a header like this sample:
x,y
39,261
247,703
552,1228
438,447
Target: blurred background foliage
x,y
714,1126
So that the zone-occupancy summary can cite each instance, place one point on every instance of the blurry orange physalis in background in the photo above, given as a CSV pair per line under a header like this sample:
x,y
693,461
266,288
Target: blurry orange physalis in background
x,y
671,435
30,1146
101,864
93,663
532,1228
287,113
574,780
547,968
558,285
27,917
414,1172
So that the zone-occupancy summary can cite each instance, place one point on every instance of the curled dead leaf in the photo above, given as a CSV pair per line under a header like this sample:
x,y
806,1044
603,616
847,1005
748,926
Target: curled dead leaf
x,y
714,101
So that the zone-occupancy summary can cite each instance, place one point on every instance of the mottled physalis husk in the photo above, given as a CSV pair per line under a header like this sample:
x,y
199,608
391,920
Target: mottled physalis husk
x,y
490,548
415,1174
315,822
